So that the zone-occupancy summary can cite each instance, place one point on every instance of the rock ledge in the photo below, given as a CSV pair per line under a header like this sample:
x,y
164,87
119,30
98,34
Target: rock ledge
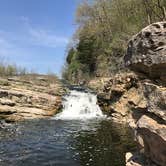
x,y
29,97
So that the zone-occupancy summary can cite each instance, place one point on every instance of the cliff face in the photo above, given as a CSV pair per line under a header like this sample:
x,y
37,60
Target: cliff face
x,y
139,97
147,54
29,97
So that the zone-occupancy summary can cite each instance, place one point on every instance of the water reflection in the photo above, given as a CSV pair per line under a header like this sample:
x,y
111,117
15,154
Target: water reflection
x,y
64,143
106,146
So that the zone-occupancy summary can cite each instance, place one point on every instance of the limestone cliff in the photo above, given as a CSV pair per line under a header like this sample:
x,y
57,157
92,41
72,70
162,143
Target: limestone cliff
x,y
138,97
29,97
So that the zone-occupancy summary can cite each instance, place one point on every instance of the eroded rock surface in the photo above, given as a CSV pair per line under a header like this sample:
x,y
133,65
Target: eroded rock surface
x,y
29,97
156,98
139,98
147,51
116,94
147,54
151,136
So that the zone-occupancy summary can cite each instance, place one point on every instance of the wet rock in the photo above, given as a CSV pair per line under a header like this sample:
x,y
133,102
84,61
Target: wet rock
x,y
133,160
136,159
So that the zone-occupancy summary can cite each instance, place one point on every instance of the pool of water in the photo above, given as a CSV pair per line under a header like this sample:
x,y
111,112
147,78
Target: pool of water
x,y
53,142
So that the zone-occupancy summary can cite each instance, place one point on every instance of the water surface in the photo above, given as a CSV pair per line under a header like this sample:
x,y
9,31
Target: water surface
x,y
78,136
65,143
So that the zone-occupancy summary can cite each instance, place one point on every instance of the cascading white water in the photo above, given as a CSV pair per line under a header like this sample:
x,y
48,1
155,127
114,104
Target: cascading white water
x,y
80,105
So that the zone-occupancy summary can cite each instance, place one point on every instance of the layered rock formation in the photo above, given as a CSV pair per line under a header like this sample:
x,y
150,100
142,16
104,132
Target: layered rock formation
x,y
29,97
139,97
147,54
115,94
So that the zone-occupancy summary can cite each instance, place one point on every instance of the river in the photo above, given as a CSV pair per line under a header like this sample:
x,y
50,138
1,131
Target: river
x,y
78,136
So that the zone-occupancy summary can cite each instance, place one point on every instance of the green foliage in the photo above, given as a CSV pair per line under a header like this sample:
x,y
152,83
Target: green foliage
x,y
70,55
104,28
85,53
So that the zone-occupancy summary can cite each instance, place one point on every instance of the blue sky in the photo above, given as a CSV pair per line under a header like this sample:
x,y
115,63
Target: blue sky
x,y
35,33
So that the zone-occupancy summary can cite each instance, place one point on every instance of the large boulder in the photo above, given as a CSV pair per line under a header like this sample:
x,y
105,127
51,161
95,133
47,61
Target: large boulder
x,y
147,51
151,136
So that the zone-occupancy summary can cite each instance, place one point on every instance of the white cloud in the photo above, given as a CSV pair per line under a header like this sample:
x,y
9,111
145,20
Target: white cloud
x,y
42,37
15,43
10,47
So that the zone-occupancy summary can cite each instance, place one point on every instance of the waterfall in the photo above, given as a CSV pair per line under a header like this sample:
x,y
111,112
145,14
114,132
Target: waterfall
x,y
80,105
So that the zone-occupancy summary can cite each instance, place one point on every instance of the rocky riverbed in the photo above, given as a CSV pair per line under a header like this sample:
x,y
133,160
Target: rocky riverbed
x,y
138,96
29,97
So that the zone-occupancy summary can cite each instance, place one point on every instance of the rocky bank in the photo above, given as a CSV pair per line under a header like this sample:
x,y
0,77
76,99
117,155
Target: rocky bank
x,y
138,96
29,97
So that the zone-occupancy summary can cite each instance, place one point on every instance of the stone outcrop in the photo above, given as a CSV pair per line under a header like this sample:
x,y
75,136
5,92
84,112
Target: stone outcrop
x,y
147,54
29,97
137,100
138,97
115,94
147,51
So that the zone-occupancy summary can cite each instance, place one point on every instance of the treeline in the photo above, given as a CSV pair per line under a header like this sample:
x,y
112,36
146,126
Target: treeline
x,y
11,70
104,28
